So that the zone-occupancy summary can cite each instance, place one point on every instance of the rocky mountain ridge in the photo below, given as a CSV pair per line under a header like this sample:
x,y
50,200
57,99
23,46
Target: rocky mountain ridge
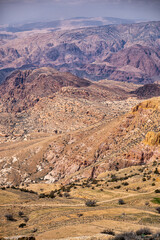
x,y
126,52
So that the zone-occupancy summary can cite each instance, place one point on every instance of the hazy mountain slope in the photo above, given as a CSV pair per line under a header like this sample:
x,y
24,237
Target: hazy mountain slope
x,y
128,52
70,23
141,58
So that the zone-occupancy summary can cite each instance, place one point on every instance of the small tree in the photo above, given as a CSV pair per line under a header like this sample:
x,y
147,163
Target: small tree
x,y
156,171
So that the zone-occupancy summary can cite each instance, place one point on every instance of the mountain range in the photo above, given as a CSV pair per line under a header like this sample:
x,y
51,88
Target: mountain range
x,y
123,52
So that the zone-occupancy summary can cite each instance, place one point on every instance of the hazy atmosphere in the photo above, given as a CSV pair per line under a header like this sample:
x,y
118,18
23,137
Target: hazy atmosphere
x,y
21,11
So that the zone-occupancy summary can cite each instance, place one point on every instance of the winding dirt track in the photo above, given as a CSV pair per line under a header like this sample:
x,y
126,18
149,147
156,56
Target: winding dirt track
x,y
74,205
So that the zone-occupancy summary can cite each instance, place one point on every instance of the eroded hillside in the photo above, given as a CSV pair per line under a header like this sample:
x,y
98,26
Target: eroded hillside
x,y
86,152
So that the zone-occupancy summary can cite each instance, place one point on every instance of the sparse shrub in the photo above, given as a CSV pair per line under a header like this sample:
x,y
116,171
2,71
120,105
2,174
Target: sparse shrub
x,y
144,179
60,194
3,188
126,236
88,185
26,219
154,163
117,187
90,203
68,189
21,214
26,190
42,195
101,190
147,203
157,191
109,232
158,209
22,225
113,178
93,188
148,177
31,191
66,195
9,217
51,195
153,184
79,214
98,185
63,188
121,202
138,188
125,183
143,231
94,181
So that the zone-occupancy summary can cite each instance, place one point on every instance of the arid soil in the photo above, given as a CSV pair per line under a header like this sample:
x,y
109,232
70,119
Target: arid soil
x,y
66,216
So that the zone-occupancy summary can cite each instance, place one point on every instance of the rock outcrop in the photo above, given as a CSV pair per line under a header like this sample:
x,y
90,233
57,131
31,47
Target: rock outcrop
x,y
152,138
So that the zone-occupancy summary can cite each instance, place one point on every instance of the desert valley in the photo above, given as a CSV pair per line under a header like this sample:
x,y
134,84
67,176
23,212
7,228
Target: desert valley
x,y
80,130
